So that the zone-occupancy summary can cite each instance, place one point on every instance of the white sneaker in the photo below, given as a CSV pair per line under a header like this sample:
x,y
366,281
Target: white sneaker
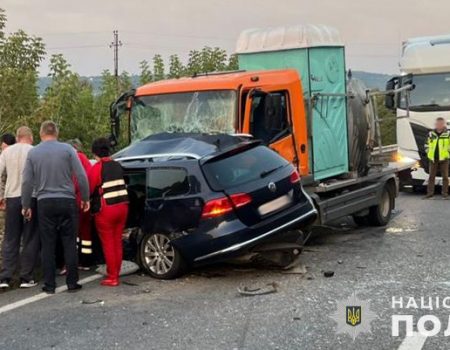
x,y
4,284
28,284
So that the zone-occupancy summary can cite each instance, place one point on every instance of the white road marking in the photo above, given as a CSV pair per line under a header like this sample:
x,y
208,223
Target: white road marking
x,y
41,296
414,342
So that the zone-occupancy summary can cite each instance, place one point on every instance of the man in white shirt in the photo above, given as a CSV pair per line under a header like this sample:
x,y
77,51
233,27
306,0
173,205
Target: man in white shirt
x,y
6,140
17,230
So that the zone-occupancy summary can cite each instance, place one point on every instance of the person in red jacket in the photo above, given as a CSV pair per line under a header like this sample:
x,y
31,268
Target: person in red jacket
x,y
84,228
109,200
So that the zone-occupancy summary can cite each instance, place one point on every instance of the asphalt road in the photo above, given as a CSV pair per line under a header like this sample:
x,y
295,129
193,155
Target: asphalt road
x,y
203,310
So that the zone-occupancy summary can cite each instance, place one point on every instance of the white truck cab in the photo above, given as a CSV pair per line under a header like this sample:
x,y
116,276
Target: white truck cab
x,y
425,63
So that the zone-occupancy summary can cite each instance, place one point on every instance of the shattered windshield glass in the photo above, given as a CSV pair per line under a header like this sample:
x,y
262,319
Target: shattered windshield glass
x,y
204,111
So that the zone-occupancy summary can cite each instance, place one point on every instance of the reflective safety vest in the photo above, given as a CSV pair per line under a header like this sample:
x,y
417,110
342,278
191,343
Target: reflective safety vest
x,y
444,145
114,190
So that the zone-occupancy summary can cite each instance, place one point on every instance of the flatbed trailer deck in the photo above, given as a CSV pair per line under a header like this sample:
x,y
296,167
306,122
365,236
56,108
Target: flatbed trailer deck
x,y
374,173
369,199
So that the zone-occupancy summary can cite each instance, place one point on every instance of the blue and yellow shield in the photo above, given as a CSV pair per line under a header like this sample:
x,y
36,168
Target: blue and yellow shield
x,y
353,316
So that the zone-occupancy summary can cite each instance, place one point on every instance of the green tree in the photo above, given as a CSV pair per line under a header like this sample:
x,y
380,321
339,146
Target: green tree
x,y
124,82
388,122
2,22
217,60
233,63
146,75
106,96
158,68
208,60
103,100
20,56
69,101
176,68
194,65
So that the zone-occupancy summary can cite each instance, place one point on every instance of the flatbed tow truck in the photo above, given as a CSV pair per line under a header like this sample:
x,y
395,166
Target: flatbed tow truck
x,y
292,92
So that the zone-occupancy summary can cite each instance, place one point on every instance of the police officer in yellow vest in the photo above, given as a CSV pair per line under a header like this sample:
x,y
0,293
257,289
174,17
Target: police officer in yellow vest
x,y
438,152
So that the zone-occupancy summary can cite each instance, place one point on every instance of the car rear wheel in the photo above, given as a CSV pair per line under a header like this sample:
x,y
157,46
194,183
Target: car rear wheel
x,y
380,214
159,258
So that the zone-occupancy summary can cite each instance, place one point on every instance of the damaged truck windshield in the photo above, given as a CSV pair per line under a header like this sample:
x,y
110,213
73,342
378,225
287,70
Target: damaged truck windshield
x,y
203,111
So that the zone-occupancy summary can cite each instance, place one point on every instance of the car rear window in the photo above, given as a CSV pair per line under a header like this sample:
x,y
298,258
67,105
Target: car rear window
x,y
242,167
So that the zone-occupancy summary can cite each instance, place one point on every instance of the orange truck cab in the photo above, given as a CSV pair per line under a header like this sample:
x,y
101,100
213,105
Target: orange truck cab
x,y
235,99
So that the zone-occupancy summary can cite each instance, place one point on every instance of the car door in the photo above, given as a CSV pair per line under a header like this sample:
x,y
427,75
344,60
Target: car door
x,y
172,203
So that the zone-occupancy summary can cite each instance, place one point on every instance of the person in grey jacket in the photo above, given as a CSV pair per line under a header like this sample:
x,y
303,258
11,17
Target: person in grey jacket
x,y
49,170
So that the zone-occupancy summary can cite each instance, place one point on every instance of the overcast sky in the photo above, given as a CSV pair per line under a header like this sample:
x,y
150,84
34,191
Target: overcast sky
x,y
82,30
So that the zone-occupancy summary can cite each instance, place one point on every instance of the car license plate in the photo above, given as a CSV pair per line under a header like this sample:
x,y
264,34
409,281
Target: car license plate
x,y
276,204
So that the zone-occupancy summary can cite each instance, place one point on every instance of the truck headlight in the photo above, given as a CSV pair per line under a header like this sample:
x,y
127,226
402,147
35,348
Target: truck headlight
x,y
399,157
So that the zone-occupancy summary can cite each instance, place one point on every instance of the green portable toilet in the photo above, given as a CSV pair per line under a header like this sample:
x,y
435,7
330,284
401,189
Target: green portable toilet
x,y
317,53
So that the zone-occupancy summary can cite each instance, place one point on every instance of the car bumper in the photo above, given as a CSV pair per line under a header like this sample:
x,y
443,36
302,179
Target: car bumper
x,y
248,243
231,238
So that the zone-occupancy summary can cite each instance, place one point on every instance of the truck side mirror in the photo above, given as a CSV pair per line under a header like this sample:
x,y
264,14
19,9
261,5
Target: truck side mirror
x,y
116,110
389,100
406,80
115,125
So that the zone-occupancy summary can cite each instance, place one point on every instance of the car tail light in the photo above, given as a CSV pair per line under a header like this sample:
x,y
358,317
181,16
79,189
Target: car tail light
x,y
240,199
224,205
295,177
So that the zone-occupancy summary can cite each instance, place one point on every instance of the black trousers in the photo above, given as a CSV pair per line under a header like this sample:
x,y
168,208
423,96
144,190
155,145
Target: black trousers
x,y
18,231
58,218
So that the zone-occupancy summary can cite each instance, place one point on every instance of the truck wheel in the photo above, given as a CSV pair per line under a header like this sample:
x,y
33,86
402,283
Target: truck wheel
x,y
380,214
159,258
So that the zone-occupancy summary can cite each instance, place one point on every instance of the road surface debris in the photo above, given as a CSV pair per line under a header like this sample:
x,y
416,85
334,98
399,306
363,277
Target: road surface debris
x,y
269,288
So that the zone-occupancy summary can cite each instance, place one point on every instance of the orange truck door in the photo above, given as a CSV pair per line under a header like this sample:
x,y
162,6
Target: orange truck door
x,y
268,118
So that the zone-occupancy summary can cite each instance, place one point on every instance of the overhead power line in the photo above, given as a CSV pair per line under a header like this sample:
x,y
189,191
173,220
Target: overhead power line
x,y
375,55
75,47
192,36
142,33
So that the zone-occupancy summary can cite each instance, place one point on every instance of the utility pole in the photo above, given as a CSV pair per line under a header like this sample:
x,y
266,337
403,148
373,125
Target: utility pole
x,y
115,46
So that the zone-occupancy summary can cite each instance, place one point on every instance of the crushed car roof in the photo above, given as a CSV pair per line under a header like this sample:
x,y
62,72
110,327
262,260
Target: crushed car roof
x,y
166,146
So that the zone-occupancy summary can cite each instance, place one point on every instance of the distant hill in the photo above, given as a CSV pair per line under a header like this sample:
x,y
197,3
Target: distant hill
x,y
372,80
